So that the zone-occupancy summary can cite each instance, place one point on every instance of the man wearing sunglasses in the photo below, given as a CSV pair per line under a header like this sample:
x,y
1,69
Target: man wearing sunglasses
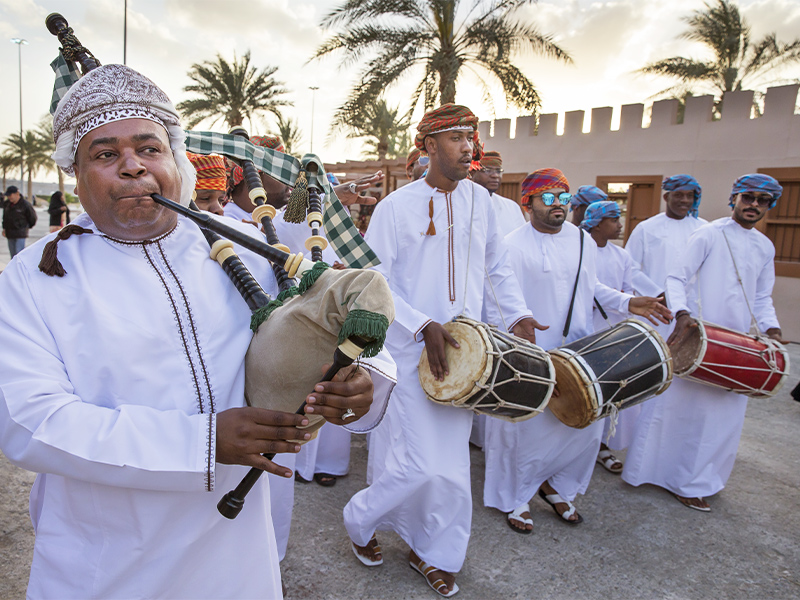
x,y
557,268
686,441
416,164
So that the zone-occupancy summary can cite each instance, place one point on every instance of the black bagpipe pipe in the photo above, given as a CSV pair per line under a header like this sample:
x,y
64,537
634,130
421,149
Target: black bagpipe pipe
x,y
292,265
263,212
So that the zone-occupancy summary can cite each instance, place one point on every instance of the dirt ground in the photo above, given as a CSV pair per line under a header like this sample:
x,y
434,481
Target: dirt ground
x,y
636,543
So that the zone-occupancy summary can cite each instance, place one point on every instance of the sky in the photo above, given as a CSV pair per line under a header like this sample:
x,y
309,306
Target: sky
x,y
607,39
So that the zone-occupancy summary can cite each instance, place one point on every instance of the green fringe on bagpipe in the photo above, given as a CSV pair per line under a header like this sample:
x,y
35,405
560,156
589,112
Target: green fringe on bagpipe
x,y
366,324
263,313
310,277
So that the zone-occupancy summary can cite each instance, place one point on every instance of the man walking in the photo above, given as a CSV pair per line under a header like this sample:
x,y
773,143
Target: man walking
x,y
18,218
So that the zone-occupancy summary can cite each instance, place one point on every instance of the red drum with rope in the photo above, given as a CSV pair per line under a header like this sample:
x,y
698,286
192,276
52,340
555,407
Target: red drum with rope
x,y
755,366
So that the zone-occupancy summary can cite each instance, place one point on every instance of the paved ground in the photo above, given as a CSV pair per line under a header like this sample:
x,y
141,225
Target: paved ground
x,y
636,543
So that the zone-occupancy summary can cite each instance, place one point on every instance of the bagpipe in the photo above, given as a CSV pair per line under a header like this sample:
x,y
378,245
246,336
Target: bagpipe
x,y
329,313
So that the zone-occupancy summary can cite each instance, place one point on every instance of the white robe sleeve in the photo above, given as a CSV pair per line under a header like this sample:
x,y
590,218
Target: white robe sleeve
x,y
503,282
696,253
382,238
45,427
383,371
641,282
763,308
610,298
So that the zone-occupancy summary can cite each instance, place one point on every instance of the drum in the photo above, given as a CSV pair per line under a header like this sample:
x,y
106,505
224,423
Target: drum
x,y
492,373
608,371
735,361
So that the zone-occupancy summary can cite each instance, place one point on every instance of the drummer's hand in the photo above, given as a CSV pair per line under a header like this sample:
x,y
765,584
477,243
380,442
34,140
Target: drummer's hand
x,y
244,434
350,389
684,323
526,329
347,196
776,334
436,337
650,308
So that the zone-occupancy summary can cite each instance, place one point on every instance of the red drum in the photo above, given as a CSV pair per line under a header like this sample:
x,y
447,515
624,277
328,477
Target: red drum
x,y
728,359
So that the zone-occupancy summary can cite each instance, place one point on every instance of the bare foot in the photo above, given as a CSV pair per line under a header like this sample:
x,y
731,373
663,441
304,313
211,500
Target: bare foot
x,y
695,503
441,581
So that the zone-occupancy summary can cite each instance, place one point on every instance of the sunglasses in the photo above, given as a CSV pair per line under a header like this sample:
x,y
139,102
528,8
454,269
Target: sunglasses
x,y
563,198
762,201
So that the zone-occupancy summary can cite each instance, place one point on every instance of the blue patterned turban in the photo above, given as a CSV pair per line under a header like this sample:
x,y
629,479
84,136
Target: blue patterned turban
x,y
756,182
587,194
597,211
684,182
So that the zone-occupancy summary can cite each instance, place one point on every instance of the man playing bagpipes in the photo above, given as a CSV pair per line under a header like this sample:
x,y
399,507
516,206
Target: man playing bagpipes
x,y
127,395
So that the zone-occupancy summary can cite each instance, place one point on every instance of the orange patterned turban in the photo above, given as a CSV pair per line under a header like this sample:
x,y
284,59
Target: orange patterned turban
x,y
210,171
490,160
449,117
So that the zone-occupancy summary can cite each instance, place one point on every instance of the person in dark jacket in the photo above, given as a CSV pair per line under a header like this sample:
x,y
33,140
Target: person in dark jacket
x,y
59,212
18,218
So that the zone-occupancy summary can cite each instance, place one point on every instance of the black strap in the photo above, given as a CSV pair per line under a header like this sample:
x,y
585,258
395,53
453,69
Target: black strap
x,y
574,290
600,308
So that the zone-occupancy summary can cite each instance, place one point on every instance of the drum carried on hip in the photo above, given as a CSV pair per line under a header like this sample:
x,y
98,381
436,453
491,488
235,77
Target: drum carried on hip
x,y
492,373
608,371
731,360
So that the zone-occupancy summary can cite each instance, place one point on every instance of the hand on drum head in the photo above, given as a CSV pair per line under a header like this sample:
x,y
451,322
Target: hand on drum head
x,y
351,389
244,434
776,334
526,329
684,324
650,308
436,337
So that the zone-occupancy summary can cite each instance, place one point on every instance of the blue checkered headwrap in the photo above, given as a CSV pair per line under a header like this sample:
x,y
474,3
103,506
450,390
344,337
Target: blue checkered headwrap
x,y
684,182
597,211
587,194
756,182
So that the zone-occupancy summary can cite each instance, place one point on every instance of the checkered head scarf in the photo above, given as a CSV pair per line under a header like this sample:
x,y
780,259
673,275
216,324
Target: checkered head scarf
x,y
542,180
114,93
449,117
210,171
586,195
490,160
756,182
597,211
684,182
265,141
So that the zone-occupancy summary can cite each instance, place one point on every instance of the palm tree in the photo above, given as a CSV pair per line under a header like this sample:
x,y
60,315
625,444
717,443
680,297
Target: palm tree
x,y
737,63
289,131
8,162
34,152
431,37
44,129
386,132
232,92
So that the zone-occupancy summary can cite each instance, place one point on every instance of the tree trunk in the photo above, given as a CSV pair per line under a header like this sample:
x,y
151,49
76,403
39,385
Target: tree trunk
x,y
383,148
31,199
61,183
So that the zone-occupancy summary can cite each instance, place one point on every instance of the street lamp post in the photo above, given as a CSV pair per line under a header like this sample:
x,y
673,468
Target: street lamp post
x,y
313,89
19,42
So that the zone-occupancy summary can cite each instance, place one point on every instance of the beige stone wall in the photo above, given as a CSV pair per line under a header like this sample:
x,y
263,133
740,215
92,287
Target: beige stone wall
x,y
714,152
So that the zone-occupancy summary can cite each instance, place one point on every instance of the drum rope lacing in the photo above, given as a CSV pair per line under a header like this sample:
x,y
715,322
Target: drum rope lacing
x,y
614,407
771,353
517,376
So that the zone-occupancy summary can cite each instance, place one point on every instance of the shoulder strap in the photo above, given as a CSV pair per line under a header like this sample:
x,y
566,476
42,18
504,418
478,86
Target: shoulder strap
x,y
574,290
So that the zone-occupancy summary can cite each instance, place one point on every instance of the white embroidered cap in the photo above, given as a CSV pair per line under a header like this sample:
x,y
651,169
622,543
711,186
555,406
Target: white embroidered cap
x,y
113,93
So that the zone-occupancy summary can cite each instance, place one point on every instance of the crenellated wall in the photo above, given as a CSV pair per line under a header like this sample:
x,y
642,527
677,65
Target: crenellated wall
x,y
714,152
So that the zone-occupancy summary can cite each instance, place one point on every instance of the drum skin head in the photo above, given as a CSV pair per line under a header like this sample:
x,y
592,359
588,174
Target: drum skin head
x,y
573,406
468,364
691,350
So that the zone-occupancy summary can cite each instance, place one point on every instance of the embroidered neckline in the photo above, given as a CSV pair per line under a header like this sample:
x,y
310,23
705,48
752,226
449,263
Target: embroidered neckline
x,y
156,240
